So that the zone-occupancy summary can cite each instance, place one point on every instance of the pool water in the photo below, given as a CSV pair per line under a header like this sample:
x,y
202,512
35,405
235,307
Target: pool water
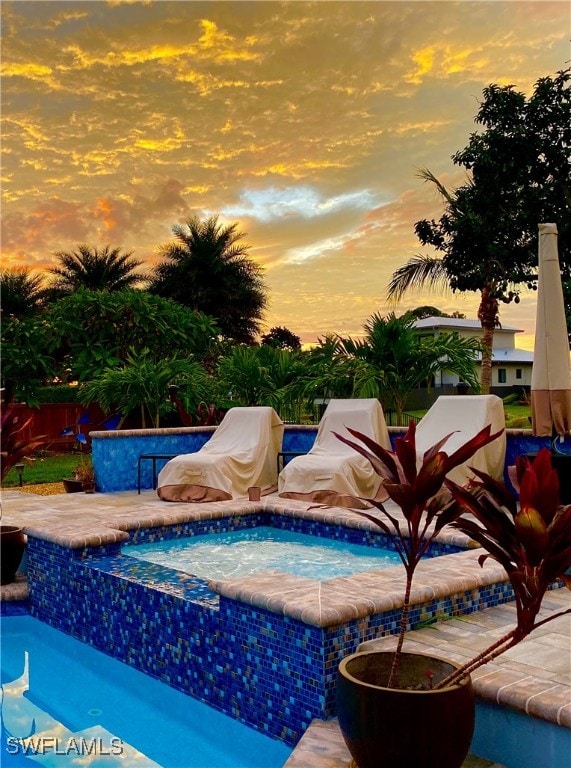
x,y
65,703
255,550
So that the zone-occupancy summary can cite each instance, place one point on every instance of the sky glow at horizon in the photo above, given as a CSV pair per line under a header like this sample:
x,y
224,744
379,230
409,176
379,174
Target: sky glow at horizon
x,y
306,122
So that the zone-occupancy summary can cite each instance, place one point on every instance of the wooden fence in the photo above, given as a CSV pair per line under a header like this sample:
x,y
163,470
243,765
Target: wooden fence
x,y
50,419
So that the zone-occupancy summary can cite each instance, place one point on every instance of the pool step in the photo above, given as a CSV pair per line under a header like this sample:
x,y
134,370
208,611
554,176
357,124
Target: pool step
x,y
322,746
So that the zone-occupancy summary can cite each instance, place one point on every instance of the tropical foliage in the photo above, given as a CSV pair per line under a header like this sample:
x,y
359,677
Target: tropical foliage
x,y
281,338
262,376
23,294
94,270
142,383
14,446
209,270
98,331
28,357
392,359
531,540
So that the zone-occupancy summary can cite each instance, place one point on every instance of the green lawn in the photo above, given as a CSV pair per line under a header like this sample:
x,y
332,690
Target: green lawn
x,y
49,469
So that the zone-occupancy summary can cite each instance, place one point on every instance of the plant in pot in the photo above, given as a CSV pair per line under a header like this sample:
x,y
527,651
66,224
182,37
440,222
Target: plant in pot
x,y
83,478
390,704
15,447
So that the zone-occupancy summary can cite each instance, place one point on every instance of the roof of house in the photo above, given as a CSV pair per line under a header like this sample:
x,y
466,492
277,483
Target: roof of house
x,y
457,323
512,356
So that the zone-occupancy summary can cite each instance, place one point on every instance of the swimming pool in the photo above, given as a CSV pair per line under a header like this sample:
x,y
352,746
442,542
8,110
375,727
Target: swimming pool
x,y
242,553
77,705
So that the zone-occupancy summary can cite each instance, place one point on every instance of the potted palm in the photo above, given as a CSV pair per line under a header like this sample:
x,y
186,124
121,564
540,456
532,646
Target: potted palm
x,y
390,704
83,478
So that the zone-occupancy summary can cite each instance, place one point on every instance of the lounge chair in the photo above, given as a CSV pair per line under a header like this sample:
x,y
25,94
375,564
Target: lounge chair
x,y
241,453
465,416
332,472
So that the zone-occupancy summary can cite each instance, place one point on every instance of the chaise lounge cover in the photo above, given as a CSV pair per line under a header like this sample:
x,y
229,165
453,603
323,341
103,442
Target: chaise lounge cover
x,y
333,472
465,415
241,453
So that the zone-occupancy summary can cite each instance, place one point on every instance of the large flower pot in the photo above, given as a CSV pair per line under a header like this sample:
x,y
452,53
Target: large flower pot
x,y
12,546
72,486
403,727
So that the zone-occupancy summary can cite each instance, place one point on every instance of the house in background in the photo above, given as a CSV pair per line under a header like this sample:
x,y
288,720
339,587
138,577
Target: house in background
x,y
511,367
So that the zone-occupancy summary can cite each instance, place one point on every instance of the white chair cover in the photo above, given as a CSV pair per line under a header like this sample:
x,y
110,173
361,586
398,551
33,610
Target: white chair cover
x,y
332,470
241,453
465,415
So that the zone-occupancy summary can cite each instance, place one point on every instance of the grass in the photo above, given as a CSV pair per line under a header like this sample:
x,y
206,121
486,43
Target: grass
x,y
43,469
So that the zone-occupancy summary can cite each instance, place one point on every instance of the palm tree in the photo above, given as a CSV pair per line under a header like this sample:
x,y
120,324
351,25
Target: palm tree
x,y
23,294
431,271
392,360
263,376
207,269
95,270
141,383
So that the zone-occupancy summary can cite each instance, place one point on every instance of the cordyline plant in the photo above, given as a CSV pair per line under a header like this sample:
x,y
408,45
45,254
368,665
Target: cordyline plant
x,y
533,544
15,446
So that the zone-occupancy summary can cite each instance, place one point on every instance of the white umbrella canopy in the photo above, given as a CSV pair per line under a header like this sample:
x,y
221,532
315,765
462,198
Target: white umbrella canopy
x,y
550,376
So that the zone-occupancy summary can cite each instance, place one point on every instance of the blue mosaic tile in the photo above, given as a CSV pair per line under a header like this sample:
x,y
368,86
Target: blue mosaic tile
x,y
14,607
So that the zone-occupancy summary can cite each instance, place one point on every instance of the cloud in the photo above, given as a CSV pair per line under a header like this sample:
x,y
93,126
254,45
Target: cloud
x,y
307,122
305,202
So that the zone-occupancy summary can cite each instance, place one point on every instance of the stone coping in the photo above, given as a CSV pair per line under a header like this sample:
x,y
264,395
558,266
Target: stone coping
x,y
117,433
336,601
533,678
17,591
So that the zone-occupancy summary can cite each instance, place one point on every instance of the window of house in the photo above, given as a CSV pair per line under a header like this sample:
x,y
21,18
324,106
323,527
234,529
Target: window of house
x,y
518,374
502,375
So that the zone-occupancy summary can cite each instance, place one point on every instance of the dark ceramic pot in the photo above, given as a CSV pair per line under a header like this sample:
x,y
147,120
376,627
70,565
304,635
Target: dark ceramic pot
x,y
398,727
72,486
12,546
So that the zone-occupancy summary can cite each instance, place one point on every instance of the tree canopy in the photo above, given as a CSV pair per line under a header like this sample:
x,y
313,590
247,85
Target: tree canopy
x,y
209,270
95,270
23,293
487,237
281,338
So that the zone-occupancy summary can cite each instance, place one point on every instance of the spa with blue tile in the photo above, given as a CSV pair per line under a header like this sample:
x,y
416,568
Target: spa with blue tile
x,y
263,648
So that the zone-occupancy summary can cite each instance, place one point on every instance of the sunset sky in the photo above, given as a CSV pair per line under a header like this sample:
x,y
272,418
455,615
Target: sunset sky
x,y
306,122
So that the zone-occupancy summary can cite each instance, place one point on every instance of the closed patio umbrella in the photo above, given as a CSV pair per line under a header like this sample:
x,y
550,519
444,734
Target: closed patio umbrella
x,y
550,377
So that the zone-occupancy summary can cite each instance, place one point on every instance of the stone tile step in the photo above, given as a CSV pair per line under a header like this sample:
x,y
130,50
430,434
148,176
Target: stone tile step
x,y
322,746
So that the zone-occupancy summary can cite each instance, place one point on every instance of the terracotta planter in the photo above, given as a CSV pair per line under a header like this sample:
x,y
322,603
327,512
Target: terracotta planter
x,y
402,727
12,546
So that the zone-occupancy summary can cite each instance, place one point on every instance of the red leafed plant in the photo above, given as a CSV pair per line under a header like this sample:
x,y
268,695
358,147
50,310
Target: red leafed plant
x,y
14,445
533,544
426,505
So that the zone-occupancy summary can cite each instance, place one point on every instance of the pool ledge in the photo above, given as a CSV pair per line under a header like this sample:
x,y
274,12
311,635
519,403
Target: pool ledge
x,y
327,603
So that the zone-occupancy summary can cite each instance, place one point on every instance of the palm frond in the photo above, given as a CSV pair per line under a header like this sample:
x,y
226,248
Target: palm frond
x,y
418,272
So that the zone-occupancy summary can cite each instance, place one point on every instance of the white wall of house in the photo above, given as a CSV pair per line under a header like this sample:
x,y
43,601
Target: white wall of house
x,y
511,367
